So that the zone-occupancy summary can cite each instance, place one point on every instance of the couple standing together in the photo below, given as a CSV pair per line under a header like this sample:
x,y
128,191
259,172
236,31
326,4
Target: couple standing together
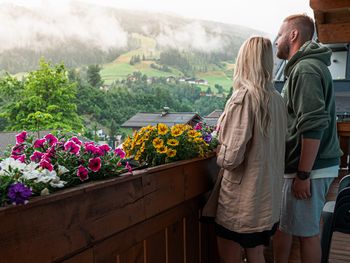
x,y
278,154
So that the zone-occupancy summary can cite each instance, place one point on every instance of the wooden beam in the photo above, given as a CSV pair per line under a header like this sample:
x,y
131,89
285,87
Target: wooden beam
x,y
327,5
333,33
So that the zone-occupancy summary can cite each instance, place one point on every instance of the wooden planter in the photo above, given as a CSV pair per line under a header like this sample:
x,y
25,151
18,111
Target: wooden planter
x,y
151,216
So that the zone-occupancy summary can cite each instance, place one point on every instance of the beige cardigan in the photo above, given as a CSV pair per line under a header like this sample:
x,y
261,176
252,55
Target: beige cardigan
x,y
250,193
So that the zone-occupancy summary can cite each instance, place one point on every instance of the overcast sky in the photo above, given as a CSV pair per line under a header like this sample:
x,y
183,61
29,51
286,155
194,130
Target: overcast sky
x,y
264,15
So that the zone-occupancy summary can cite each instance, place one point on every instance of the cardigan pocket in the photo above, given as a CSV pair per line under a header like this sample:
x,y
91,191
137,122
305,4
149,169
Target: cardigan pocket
x,y
226,157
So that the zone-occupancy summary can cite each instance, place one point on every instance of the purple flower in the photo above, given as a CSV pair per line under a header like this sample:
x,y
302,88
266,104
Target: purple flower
x,y
36,156
71,147
82,173
18,193
207,138
198,126
39,143
20,138
45,164
128,166
51,139
76,140
120,153
95,164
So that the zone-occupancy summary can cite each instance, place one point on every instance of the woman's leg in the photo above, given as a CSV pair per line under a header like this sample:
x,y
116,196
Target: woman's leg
x,y
255,254
229,251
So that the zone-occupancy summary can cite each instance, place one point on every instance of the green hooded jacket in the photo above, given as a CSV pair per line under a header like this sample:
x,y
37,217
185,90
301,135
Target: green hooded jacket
x,y
309,95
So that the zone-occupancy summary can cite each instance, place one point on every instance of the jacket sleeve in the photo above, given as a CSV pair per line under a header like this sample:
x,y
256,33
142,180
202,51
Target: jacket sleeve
x,y
235,131
309,105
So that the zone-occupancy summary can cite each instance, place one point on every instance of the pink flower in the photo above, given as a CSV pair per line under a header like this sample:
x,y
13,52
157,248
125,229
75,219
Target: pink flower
x,y
128,166
82,173
71,147
17,150
76,140
45,164
36,156
198,126
51,139
93,149
20,158
120,153
20,138
95,164
39,143
105,148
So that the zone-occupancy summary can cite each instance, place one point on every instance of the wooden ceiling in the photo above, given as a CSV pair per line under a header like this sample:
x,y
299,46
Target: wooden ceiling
x,y
332,19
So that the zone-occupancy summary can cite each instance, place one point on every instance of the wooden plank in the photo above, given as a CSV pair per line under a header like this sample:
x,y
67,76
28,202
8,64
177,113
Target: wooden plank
x,y
327,5
135,254
191,226
86,257
156,248
175,239
334,33
162,190
108,249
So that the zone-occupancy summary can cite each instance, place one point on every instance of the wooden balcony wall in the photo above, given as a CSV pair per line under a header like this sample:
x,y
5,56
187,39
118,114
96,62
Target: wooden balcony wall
x,y
151,216
332,19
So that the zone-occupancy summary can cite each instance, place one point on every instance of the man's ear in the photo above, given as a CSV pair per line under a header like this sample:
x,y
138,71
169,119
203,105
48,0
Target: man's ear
x,y
294,35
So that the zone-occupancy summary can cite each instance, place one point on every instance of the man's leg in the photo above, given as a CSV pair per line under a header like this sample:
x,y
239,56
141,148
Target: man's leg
x,y
310,249
229,251
256,254
282,244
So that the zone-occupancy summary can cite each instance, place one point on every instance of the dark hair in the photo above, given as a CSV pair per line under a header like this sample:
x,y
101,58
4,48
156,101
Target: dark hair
x,y
303,23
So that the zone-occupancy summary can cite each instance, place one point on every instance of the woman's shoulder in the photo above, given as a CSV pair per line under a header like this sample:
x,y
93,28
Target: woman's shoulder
x,y
239,95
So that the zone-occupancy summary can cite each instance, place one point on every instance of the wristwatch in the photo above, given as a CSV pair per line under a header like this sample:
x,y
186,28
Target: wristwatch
x,y
303,175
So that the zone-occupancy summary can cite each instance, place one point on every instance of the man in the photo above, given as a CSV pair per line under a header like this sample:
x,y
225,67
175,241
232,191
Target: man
x,y
312,147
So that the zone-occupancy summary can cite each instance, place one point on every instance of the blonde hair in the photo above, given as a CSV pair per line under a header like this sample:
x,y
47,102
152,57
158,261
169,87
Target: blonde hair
x,y
254,66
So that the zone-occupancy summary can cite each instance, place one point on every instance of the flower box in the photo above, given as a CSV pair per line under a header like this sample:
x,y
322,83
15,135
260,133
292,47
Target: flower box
x,y
151,214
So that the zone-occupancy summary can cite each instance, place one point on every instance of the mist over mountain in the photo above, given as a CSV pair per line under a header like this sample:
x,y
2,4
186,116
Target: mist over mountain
x,y
82,34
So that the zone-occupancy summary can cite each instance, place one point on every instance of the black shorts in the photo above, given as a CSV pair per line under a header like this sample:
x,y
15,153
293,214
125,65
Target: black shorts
x,y
246,240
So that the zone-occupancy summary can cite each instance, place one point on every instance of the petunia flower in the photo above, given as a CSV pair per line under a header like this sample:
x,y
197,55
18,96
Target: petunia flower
x,y
119,152
104,148
128,166
45,164
95,164
17,149
51,139
198,126
36,156
76,140
21,137
71,147
18,193
39,143
82,173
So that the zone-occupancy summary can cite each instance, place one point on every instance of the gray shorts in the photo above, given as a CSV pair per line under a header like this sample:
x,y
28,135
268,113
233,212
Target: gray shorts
x,y
302,217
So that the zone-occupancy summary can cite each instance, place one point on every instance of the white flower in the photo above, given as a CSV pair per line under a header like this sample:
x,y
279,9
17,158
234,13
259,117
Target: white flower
x,y
214,133
45,191
57,183
10,162
46,176
62,170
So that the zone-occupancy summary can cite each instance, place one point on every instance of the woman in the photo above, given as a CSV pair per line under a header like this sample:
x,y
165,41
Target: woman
x,y
252,133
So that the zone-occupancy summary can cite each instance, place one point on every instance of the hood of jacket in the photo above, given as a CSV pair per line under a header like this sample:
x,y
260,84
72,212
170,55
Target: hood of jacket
x,y
309,50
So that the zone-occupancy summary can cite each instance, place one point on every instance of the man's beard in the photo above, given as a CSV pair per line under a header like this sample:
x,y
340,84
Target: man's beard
x,y
283,53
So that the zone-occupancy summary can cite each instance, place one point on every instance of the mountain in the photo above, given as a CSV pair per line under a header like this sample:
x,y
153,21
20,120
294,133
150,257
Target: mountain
x,y
84,34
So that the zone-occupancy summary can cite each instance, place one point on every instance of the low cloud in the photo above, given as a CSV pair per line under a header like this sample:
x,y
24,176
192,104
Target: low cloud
x,y
190,36
55,23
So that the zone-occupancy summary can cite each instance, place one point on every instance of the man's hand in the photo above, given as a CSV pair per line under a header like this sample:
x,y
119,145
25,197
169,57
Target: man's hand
x,y
301,188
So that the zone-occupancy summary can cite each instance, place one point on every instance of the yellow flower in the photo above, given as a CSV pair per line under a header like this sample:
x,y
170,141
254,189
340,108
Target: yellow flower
x,y
157,142
137,156
162,129
171,152
193,133
173,142
200,139
142,148
176,131
162,149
